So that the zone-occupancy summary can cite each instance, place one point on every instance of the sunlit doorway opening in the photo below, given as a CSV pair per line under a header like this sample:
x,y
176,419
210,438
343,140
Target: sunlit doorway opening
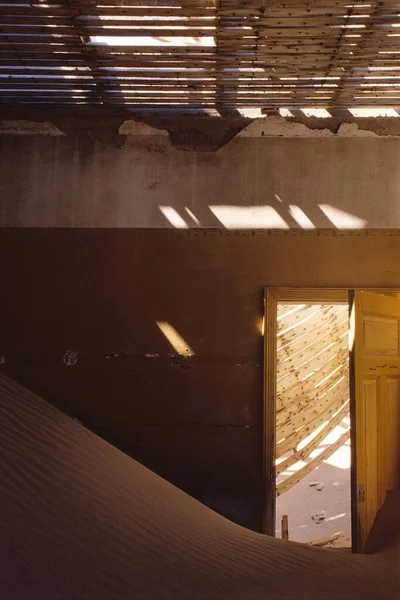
x,y
312,424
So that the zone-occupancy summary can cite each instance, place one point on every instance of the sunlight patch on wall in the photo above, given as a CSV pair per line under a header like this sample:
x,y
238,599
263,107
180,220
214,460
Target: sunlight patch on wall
x,y
352,328
261,325
173,217
316,112
342,219
300,217
178,343
252,113
249,217
374,112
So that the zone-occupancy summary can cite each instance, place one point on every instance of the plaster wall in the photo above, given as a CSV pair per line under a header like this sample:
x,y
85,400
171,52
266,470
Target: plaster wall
x,y
100,291
198,420
253,182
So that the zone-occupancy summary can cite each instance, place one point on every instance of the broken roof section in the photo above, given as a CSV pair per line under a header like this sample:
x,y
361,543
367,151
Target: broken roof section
x,y
200,54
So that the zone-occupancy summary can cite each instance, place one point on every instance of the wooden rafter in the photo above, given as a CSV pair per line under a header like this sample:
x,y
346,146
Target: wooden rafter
x,y
89,54
267,53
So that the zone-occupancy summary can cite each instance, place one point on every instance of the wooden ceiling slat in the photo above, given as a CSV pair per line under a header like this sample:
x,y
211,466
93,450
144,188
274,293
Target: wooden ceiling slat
x,y
162,12
191,31
238,89
58,50
287,5
382,20
155,11
304,68
316,52
153,69
306,5
97,22
170,3
283,7
18,75
109,57
201,86
246,33
54,44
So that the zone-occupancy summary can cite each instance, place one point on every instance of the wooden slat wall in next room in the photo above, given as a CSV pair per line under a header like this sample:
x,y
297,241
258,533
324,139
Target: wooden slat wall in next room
x,y
197,421
312,399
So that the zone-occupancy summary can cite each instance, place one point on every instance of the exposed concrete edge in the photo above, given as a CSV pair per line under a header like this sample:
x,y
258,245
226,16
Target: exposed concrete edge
x,y
209,232
301,126
20,127
199,133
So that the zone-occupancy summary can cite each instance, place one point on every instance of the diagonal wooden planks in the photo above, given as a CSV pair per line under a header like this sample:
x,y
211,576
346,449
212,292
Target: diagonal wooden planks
x,y
312,393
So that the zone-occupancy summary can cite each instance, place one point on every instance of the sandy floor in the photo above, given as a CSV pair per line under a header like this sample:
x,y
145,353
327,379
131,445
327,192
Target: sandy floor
x,y
304,501
319,505
82,521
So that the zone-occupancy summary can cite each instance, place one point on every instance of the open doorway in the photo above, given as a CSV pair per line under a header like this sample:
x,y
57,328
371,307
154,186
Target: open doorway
x,y
325,402
312,423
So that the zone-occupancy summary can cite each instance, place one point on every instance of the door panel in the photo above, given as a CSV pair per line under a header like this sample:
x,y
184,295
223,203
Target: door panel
x,y
381,335
376,359
393,434
371,451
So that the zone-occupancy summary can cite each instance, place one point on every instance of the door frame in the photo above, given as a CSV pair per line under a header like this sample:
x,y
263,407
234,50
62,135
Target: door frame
x,y
272,296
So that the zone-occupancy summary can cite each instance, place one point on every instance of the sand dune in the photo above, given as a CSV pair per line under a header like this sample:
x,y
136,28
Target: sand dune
x,y
82,521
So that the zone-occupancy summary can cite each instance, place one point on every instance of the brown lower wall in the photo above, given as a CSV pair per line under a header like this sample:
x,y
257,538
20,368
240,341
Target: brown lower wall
x,y
196,421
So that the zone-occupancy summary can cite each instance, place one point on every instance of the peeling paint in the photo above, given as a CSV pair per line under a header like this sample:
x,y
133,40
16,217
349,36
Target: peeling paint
x,y
204,133
277,126
23,127
353,130
116,355
157,355
136,128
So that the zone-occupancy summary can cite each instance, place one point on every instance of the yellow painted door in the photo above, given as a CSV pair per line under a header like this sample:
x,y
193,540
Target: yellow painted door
x,y
375,348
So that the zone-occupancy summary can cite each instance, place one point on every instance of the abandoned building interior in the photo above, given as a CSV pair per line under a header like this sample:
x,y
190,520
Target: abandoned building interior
x,y
200,299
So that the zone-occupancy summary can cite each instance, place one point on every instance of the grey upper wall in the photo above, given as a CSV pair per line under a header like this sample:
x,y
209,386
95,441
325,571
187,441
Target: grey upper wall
x,y
253,182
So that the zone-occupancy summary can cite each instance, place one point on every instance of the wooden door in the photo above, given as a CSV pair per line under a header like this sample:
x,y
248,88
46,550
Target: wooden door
x,y
375,351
